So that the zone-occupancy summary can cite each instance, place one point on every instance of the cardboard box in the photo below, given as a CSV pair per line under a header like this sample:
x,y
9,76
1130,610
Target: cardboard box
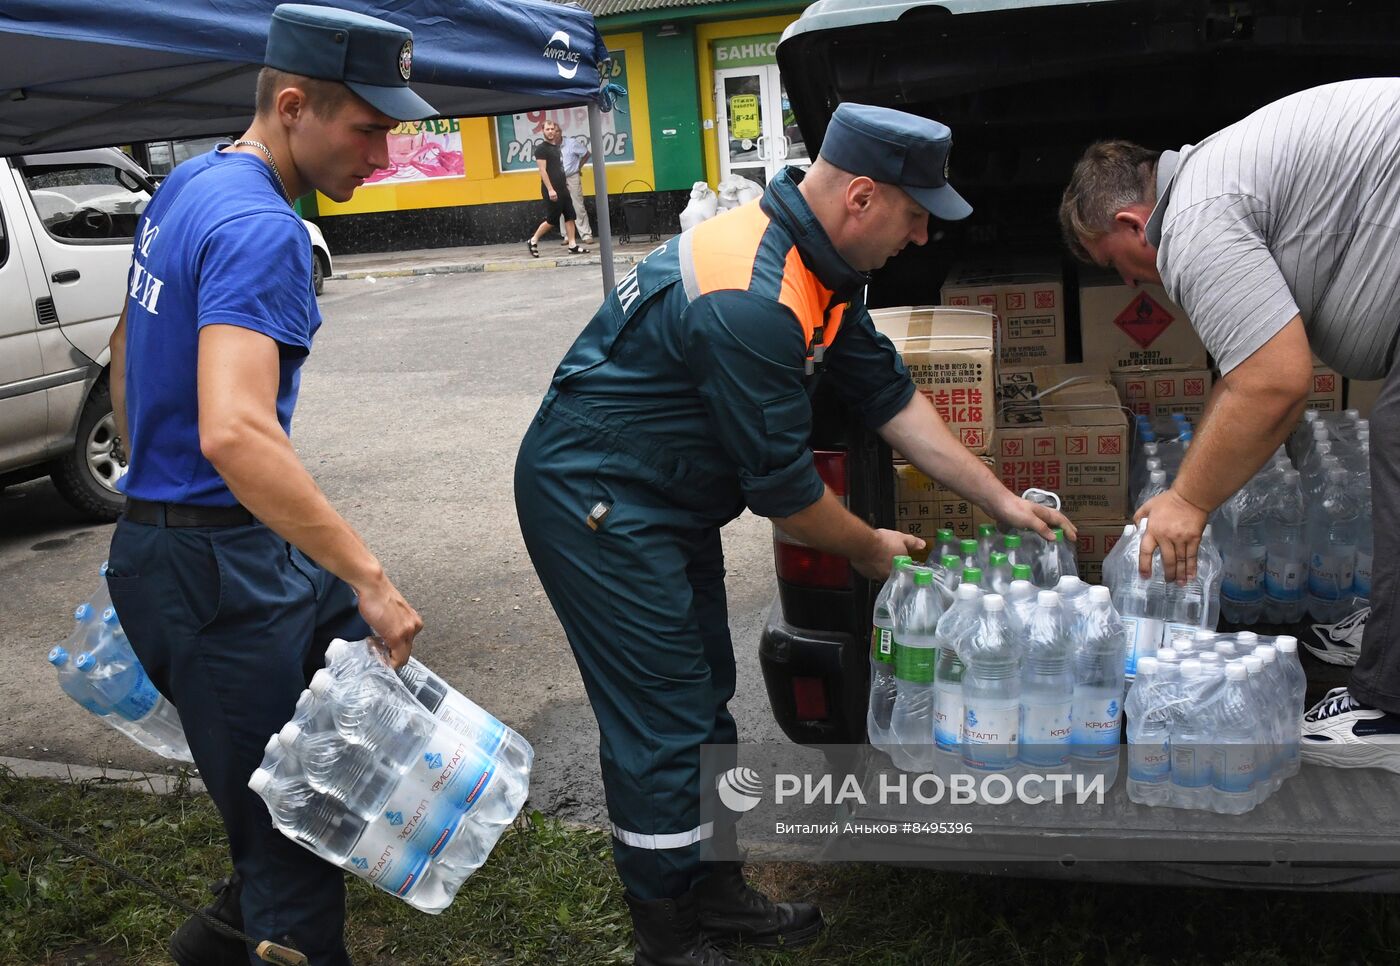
x,y
951,353
923,505
1073,440
1161,391
1326,393
1096,539
1362,394
1123,328
1028,297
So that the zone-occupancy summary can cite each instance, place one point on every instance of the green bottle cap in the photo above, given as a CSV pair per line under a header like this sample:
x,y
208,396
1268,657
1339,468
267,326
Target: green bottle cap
x,y
1056,535
923,577
986,529
967,547
901,561
944,535
951,562
973,576
998,559
1021,572
1013,540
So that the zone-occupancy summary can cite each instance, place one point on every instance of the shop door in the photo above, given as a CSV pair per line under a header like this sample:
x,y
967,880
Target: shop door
x,y
758,134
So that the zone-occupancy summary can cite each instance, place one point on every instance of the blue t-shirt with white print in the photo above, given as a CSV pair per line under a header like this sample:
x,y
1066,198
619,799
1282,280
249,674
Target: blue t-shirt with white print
x,y
217,245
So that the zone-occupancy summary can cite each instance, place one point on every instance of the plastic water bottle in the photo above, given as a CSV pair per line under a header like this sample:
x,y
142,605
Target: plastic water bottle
x,y
1273,689
1140,604
1302,433
74,685
999,573
1155,486
1137,475
1116,562
448,705
1295,693
882,682
991,691
968,551
1074,596
1021,597
1048,560
1286,560
951,565
953,628
945,544
119,685
1047,684
1333,532
1149,738
371,849
1016,553
1099,658
1209,571
1068,558
1191,741
1360,484
911,719
1236,766
987,540
1244,552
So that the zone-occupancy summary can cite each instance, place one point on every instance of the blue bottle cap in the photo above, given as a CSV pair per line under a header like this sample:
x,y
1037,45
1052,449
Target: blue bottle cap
x,y
109,616
102,571
85,662
58,655
83,613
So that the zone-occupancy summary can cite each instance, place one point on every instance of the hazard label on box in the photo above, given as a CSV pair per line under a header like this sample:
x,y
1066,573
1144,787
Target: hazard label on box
x,y
971,436
1193,387
1076,445
1324,382
1045,299
1044,446
1164,387
1015,300
1110,445
1144,320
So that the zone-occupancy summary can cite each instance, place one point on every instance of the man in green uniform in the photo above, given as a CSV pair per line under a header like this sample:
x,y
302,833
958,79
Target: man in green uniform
x,y
683,402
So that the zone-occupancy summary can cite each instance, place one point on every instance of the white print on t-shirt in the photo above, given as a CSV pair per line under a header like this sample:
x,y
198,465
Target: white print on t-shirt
x,y
145,287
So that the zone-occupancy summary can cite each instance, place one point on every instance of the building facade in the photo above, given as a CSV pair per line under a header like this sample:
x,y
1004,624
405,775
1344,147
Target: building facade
x,y
704,101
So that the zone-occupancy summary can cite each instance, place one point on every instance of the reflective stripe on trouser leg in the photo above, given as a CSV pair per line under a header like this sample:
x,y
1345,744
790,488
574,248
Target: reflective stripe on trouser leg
x,y
642,634
674,840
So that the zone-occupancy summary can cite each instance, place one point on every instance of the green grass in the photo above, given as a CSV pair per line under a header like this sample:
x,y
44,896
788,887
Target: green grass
x,y
549,895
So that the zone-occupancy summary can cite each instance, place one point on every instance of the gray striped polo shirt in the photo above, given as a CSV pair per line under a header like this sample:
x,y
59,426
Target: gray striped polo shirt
x,y
1293,210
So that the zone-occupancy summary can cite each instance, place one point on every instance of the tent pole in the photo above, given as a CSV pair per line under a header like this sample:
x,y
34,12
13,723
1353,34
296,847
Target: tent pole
x,y
600,195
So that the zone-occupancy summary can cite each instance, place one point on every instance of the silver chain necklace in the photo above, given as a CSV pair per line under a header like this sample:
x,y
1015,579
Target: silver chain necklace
x,y
270,160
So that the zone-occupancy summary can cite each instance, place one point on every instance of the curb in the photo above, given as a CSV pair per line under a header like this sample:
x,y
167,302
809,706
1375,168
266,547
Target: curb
x,y
458,268
141,781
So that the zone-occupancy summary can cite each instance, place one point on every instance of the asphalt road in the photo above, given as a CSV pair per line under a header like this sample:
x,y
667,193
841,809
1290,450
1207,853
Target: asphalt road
x,y
412,405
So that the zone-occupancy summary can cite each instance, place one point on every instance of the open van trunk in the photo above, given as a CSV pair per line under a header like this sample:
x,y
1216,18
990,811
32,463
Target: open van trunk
x,y
1025,86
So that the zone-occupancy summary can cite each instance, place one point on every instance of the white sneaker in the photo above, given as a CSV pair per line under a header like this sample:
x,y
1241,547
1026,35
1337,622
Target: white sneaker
x,y
1344,733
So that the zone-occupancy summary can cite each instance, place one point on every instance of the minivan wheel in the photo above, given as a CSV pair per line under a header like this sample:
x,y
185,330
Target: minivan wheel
x,y
318,271
87,475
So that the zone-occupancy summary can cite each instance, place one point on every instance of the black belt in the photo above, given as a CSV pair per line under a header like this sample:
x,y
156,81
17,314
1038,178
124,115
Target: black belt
x,y
185,515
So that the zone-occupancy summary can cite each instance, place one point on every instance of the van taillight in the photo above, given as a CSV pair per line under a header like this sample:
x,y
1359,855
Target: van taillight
x,y
809,699
798,563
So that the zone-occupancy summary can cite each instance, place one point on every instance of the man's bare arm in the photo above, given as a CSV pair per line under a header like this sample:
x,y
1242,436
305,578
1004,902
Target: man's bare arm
x,y
116,378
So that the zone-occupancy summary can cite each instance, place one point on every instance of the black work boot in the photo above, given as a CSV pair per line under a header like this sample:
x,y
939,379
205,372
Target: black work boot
x,y
730,911
196,943
668,934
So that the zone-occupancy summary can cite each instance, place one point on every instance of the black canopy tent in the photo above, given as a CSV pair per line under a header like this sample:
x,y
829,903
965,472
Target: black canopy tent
x,y
82,73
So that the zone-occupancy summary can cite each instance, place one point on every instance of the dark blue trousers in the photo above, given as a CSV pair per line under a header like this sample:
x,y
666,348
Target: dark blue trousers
x,y
230,623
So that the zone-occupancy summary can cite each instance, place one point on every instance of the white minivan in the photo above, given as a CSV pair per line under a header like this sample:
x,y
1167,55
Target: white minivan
x,y
66,227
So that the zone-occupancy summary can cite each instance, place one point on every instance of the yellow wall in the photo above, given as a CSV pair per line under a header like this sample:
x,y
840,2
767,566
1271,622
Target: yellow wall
x,y
705,35
483,184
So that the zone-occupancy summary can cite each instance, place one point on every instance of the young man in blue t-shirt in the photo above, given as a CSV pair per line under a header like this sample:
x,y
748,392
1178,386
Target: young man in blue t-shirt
x,y
230,569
